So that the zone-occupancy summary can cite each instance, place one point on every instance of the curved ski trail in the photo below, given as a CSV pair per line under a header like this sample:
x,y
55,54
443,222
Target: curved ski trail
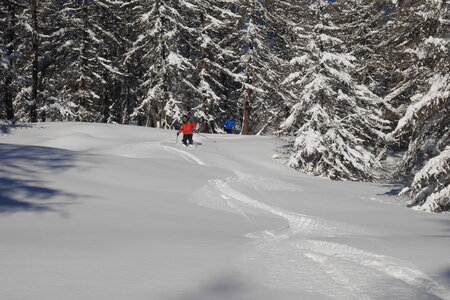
x,y
303,256
189,157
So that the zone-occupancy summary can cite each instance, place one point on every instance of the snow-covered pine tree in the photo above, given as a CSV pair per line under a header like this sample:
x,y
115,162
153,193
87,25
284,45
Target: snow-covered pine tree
x,y
39,61
163,49
132,70
29,59
270,114
430,188
258,63
50,61
23,60
400,76
112,27
85,68
335,119
364,26
213,24
424,128
9,52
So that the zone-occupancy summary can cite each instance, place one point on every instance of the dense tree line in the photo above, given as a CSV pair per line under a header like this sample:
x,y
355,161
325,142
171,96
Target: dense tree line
x,y
355,82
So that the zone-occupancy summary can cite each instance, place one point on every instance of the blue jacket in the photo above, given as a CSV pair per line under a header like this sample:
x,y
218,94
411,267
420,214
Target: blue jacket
x,y
228,124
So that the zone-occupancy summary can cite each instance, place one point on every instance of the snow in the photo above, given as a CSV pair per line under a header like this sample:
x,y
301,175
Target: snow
x,y
432,184
438,42
438,90
300,60
341,59
96,211
329,39
434,166
175,59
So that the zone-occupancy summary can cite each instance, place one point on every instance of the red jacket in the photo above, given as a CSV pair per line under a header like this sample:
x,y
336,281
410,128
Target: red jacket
x,y
188,128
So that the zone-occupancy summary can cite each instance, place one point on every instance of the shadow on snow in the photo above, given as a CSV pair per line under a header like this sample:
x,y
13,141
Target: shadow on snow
x,y
22,170
6,128
446,275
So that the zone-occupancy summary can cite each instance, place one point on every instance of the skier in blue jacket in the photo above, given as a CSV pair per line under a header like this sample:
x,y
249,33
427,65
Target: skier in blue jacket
x,y
229,125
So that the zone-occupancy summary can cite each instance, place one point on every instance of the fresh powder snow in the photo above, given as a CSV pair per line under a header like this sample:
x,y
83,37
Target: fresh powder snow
x,y
96,211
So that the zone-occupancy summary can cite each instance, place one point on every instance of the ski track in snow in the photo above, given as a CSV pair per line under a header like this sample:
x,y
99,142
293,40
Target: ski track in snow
x,y
312,263
189,157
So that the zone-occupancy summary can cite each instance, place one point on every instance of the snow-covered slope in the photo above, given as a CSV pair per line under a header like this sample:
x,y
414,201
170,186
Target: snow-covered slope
x,y
93,211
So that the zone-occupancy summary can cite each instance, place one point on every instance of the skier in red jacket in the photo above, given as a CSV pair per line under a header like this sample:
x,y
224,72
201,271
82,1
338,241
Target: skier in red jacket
x,y
188,129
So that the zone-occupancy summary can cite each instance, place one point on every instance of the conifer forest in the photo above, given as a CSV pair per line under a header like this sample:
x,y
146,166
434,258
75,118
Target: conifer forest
x,y
358,89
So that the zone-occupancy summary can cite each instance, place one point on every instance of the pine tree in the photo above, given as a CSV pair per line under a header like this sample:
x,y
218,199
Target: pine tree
x,y
127,32
258,63
163,48
84,44
214,22
10,38
365,24
31,31
335,119
430,188
424,127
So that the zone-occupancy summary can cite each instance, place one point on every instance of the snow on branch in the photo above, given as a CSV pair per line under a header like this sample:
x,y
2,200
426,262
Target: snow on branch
x,y
430,189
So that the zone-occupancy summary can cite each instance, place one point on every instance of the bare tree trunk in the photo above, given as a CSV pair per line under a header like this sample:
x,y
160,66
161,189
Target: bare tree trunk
x,y
105,106
126,106
152,117
35,73
247,112
249,91
7,98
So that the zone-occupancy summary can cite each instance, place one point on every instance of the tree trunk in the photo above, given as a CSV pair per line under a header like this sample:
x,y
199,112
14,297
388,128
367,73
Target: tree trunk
x,y
105,107
7,99
35,74
126,106
247,112
7,95
204,126
152,117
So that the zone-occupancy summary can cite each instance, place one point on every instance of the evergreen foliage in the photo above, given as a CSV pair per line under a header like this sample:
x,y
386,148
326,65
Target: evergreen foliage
x,y
335,120
424,126
430,189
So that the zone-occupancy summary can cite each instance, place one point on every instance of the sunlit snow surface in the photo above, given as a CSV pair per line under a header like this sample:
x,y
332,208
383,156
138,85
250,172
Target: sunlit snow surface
x,y
94,211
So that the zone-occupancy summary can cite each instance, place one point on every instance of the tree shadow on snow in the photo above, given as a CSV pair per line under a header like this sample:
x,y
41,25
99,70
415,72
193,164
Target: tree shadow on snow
x,y
446,275
445,225
393,189
233,286
223,287
393,192
22,170
6,128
